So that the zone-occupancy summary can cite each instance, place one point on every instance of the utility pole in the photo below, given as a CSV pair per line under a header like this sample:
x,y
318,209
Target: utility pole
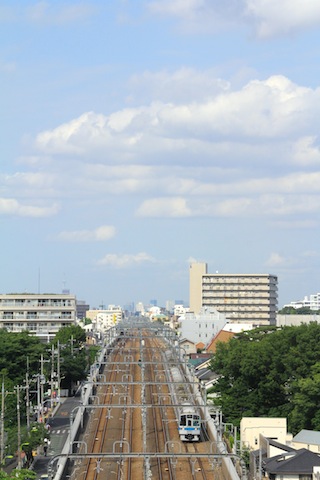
x,y
19,427
58,372
27,397
2,423
52,377
41,384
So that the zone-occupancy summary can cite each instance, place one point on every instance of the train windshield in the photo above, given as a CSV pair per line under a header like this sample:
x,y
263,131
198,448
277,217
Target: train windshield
x,y
196,420
183,420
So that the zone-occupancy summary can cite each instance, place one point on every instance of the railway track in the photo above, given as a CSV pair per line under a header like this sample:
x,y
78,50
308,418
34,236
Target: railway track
x,y
132,428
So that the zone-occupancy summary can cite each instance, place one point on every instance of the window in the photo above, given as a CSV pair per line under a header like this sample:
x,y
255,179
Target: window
x,y
183,420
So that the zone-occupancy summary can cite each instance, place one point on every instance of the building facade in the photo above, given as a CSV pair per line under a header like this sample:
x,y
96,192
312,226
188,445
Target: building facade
x,y
251,298
82,308
312,302
41,314
201,327
103,320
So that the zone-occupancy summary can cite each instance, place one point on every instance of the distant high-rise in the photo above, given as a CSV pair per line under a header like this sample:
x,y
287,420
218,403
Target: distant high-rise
x,y
241,297
153,303
82,308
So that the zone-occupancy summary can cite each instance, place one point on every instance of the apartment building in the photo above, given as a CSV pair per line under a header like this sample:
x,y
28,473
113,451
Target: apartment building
x,y
251,298
104,319
312,302
41,314
201,327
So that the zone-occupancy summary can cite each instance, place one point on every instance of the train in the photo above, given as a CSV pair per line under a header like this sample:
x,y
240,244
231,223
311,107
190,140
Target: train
x,y
189,419
189,424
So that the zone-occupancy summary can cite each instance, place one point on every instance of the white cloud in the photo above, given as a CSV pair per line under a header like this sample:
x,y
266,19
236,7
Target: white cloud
x,y
267,18
100,234
300,264
276,260
10,206
45,12
274,18
272,205
178,86
164,207
125,260
200,15
275,109
306,151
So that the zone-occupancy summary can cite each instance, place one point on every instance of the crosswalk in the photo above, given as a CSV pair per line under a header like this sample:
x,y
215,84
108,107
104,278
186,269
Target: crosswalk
x,y
60,431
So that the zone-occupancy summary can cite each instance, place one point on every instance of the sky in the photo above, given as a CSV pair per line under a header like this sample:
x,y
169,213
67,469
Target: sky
x,y
138,136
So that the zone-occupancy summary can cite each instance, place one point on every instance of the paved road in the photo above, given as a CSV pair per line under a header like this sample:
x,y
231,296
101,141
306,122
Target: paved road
x,y
60,426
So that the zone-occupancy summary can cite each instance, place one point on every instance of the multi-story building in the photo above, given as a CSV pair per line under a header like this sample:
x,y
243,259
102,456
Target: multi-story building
x,y
250,298
201,327
312,302
41,314
82,308
104,319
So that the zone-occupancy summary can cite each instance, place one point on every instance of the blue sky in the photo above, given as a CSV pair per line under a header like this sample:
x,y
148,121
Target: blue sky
x,y
140,135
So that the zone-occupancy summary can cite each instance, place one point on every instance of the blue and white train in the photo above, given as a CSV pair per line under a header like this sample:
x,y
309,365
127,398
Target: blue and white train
x,y
188,415
189,424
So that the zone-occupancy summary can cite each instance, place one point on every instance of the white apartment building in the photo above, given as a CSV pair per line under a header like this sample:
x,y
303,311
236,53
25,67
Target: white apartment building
x,y
312,302
201,327
250,298
102,320
180,310
41,314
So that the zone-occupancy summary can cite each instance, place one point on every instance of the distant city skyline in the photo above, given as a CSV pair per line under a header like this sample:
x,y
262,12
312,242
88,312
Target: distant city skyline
x,y
140,136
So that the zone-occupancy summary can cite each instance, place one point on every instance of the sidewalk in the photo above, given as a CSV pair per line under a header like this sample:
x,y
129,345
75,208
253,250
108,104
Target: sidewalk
x,y
59,430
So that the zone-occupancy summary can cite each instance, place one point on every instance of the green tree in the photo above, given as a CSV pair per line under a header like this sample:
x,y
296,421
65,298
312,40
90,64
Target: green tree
x,y
266,371
18,475
17,350
73,335
73,355
305,401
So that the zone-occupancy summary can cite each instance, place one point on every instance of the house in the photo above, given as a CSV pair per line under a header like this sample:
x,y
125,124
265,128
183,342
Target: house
x,y
200,346
227,332
293,465
187,346
308,439
253,429
222,336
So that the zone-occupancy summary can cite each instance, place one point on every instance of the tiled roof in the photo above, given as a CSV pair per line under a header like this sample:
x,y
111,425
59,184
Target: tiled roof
x,y
300,462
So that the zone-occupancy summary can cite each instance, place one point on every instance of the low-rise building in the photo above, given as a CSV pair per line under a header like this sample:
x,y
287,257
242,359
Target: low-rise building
x,y
252,427
293,465
309,439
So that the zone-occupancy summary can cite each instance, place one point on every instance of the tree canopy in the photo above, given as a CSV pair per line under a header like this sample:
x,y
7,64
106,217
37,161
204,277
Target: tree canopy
x,y
269,372
21,354
289,310
73,335
17,350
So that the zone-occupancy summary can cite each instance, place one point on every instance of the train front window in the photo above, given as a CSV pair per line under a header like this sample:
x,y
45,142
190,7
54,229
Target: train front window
x,y
196,421
183,420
